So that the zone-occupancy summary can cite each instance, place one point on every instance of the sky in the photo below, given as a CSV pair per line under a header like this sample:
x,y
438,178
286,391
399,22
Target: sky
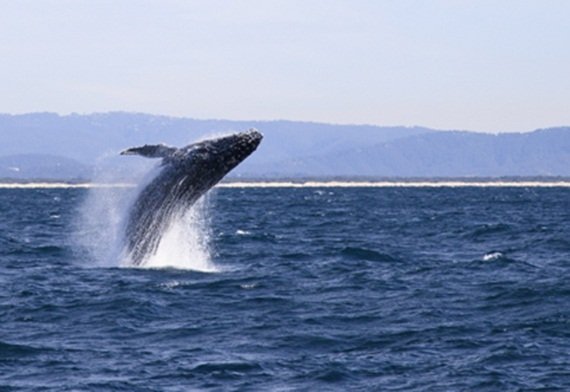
x,y
492,66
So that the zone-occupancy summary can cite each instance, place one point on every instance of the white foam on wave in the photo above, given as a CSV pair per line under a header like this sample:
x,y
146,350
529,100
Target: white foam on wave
x,y
492,256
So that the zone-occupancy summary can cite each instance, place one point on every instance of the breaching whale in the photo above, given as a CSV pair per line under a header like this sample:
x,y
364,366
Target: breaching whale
x,y
185,175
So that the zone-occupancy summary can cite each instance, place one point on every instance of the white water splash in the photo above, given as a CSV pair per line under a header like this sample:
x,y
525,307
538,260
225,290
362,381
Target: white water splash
x,y
185,244
100,228
98,233
492,256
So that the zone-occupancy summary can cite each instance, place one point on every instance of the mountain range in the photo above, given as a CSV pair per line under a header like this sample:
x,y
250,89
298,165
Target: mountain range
x,y
76,147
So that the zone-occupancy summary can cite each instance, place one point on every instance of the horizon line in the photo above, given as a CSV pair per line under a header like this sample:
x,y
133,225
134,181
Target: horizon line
x,y
311,184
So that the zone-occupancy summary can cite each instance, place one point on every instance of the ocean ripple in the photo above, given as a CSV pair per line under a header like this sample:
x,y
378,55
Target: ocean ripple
x,y
391,288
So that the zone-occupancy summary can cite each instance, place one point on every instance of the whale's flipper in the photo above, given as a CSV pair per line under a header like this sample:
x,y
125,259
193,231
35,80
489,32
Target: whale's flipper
x,y
151,151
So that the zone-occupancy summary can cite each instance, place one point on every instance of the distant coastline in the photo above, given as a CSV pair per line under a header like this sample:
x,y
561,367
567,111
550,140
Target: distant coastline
x,y
545,182
71,147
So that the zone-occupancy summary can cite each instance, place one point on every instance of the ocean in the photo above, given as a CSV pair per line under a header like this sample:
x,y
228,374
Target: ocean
x,y
290,289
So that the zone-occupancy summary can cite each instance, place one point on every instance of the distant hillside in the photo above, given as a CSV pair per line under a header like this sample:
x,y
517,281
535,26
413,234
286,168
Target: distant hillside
x,y
65,147
41,166
443,154
97,138
88,137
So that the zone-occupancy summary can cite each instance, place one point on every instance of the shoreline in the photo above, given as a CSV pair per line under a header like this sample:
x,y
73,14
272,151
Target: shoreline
x,y
313,184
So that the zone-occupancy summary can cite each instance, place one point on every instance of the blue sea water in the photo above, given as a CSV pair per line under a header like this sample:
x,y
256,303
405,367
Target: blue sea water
x,y
391,289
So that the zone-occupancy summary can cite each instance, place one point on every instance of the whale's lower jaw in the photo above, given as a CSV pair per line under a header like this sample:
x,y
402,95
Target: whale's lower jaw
x,y
185,176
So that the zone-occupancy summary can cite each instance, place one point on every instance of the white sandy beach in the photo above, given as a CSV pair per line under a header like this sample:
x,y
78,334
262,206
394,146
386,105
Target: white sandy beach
x,y
314,184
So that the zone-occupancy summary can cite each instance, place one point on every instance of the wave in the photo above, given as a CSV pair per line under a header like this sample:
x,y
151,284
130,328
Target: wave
x,y
358,253
10,350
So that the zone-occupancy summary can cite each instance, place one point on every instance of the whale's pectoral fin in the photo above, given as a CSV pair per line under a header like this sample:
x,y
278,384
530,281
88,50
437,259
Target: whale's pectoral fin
x,y
151,151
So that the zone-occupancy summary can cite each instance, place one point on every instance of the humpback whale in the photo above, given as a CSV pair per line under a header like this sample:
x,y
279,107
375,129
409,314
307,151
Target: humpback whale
x,y
185,174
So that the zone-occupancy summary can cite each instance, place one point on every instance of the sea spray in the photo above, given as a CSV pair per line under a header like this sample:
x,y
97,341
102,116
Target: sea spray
x,y
99,233
185,243
100,219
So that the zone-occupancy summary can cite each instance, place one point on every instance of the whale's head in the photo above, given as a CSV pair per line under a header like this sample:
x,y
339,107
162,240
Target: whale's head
x,y
201,165
220,153
186,174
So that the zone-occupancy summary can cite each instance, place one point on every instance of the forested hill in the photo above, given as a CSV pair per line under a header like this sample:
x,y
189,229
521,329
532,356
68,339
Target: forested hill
x,y
45,145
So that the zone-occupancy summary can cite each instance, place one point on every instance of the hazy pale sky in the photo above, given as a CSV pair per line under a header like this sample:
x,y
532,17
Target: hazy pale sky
x,y
497,65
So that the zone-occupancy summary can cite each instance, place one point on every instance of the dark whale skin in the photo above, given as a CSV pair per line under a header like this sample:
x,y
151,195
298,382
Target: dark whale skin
x,y
185,175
